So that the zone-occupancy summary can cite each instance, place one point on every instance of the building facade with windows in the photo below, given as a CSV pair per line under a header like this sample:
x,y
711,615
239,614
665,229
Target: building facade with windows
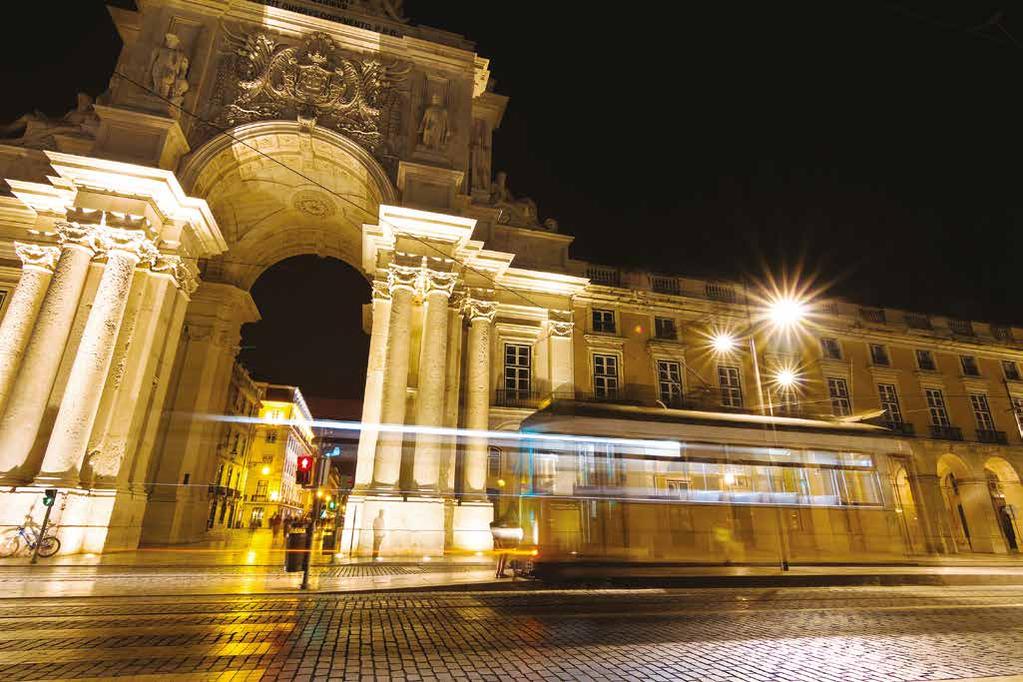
x,y
283,434
600,409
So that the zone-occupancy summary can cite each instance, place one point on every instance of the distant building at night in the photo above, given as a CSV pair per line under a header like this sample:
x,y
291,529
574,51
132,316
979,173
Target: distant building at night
x,y
694,420
283,434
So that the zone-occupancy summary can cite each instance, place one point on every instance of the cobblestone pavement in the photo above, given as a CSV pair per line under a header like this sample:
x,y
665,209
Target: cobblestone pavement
x,y
819,634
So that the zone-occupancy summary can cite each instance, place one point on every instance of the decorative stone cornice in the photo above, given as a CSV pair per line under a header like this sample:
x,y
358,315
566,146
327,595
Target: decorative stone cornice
x,y
479,309
36,256
132,242
439,282
402,277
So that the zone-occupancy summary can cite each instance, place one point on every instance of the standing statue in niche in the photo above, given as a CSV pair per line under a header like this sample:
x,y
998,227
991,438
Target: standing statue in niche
x,y
481,157
433,130
515,211
168,68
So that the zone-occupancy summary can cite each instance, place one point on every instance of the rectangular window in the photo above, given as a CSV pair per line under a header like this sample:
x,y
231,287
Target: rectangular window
x,y
982,412
879,355
731,388
664,328
1017,410
517,370
605,376
271,436
494,463
604,321
838,391
830,349
261,487
936,406
925,360
1011,370
669,382
970,367
890,403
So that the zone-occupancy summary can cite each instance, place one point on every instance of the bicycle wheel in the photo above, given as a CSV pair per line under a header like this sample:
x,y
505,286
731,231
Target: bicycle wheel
x,y
49,546
9,545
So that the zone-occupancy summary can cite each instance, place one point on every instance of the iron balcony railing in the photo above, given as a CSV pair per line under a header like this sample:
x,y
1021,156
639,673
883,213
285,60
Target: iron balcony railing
x,y
519,398
992,436
903,428
946,432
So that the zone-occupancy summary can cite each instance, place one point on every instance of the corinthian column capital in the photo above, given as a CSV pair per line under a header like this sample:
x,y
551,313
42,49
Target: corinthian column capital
x,y
36,256
135,243
480,309
402,277
74,234
381,290
185,274
440,282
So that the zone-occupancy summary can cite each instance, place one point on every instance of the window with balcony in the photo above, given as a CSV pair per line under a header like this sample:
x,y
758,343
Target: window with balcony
x,y
669,382
664,328
982,412
936,407
1011,370
830,349
517,367
731,387
925,360
879,355
970,366
605,376
604,321
838,391
889,396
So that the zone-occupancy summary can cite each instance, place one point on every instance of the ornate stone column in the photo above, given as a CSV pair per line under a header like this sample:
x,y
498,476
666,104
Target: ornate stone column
x,y
402,281
26,404
451,390
477,405
430,397
78,408
37,267
374,385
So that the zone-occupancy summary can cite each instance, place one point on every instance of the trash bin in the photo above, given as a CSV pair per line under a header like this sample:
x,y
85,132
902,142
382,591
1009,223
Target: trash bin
x,y
294,552
329,541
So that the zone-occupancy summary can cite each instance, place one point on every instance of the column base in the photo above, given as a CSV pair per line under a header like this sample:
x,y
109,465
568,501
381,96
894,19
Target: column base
x,y
411,528
93,521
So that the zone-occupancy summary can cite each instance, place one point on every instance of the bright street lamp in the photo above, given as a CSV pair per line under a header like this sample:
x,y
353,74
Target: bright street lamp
x,y
786,312
723,342
785,378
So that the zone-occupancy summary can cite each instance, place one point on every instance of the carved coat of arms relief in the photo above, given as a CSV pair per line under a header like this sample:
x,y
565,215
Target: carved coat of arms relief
x,y
261,79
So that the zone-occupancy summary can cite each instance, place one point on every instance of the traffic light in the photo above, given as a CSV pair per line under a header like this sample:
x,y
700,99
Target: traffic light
x,y
49,495
332,505
305,470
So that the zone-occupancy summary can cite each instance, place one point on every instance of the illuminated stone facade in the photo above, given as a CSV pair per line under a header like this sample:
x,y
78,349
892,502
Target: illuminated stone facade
x,y
235,134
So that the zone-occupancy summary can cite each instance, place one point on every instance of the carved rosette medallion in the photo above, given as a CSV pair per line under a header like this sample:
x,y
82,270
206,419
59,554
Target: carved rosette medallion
x,y
260,79
36,256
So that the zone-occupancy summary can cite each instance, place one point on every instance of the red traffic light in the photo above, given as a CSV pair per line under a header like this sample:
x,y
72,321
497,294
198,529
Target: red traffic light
x,y
304,470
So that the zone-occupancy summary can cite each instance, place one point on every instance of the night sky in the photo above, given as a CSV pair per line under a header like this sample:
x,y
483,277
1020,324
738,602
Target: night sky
x,y
875,145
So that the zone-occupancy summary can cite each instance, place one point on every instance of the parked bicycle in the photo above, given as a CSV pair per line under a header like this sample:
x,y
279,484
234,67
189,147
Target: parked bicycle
x,y
26,538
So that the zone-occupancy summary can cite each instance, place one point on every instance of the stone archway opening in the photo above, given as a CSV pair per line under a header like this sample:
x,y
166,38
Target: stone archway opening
x,y
1006,500
952,472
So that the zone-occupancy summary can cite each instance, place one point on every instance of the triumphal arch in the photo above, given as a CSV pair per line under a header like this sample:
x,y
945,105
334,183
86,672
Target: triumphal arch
x,y
234,134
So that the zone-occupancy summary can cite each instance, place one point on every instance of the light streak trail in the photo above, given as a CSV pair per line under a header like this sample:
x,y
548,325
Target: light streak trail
x,y
667,447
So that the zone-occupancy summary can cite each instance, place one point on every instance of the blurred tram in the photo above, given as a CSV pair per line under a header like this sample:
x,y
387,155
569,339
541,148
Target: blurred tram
x,y
623,483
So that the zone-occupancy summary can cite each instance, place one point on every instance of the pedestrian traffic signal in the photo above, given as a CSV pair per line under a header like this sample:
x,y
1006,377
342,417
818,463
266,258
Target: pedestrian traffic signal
x,y
305,470
49,496
332,505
